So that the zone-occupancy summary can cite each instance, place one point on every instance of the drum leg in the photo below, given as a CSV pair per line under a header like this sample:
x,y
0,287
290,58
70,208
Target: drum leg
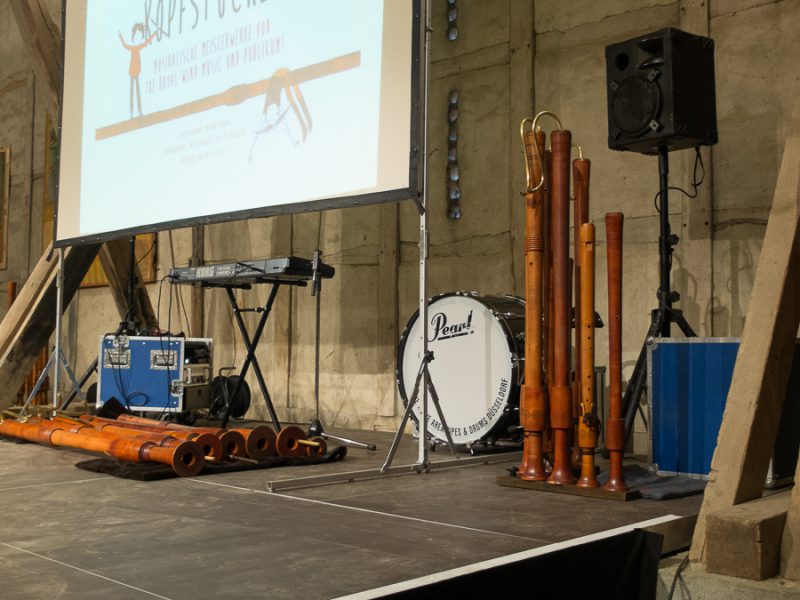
x,y
435,398
422,374
423,368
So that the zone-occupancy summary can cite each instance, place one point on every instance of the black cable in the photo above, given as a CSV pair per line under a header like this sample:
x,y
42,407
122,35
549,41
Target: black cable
x,y
683,564
149,250
698,162
116,371
161,335
128,403
167,408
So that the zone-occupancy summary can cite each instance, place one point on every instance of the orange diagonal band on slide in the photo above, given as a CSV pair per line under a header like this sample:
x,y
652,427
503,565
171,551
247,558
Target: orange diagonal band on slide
x,y
233,96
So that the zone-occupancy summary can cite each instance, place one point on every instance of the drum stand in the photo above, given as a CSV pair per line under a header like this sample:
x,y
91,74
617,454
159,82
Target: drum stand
x,y
423,373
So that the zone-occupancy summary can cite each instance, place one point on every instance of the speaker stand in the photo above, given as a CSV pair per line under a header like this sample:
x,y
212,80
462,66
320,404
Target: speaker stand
x,y
662,317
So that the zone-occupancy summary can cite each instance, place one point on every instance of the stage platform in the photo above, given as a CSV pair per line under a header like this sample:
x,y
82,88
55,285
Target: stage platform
x,y
71,534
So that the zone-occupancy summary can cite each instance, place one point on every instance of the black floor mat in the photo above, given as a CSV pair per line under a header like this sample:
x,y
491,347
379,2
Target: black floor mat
x,y
155,471
658,487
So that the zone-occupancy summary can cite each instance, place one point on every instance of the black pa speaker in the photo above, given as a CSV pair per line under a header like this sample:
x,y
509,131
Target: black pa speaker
x,y
661,92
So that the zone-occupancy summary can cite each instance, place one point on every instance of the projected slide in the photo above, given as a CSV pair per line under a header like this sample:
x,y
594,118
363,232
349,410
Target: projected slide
x,y
179,109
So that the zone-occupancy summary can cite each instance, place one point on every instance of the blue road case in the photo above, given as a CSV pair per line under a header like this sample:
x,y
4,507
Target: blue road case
x,y
155,374
688,387
689,381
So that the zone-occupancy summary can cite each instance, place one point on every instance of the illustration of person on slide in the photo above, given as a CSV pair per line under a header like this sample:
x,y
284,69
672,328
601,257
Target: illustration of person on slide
x,y
136,62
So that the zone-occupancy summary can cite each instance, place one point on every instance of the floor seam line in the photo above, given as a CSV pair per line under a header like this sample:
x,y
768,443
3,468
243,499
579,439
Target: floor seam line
x,y
374,512
87,572
40,485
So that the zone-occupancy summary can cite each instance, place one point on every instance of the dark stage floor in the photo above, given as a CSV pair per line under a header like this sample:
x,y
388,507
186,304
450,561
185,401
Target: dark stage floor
x,y
70,534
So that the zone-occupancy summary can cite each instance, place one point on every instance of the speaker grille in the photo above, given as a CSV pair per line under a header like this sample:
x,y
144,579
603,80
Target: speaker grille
x,y
635,104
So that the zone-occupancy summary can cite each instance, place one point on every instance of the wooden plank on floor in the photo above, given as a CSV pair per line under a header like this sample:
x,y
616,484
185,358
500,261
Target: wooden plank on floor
x,y
574,490
746,538
755,399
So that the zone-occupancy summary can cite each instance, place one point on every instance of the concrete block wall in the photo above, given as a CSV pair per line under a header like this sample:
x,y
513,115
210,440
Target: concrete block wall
x,y
512,58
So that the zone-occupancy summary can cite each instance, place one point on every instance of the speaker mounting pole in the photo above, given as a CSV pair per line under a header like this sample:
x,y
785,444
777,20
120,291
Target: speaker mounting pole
x,y
662,317
666,241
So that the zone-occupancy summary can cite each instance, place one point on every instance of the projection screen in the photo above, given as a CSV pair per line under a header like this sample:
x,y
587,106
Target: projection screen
x,y
182,112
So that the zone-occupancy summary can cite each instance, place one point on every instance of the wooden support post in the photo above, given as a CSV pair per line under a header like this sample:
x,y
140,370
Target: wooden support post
x,y
790,541
24,332
387,310
521,102
115,259
44,41
755,399
42,274
196,326
695,278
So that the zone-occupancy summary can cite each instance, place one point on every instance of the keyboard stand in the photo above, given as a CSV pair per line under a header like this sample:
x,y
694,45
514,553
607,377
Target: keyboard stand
x,y
251,345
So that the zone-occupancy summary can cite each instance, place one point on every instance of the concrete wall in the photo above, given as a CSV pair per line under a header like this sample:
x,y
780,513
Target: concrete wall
x,y
511,57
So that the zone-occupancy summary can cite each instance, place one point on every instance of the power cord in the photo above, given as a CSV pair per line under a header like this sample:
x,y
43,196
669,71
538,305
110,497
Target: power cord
x,y
683,564
696,183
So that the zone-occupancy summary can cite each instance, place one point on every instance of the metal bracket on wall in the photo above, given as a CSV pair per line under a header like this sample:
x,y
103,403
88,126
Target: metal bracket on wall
x,y
452,17
453,186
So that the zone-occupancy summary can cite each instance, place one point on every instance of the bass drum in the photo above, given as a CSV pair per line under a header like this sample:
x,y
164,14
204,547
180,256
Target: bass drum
x,y
478,343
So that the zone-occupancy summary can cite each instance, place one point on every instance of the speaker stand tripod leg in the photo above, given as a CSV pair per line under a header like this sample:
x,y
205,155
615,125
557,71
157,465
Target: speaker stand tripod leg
x,y
684,326
633,393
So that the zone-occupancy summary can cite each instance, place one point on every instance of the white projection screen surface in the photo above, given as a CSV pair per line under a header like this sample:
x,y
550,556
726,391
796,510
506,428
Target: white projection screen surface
x,y
182,112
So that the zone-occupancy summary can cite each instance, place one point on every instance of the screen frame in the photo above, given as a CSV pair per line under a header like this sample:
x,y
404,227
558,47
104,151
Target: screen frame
x,y
412,192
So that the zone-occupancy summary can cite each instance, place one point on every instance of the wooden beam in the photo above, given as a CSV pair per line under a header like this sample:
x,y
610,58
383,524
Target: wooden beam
x,y
790,542
755,399
42,35
522,35
32,330
197,301
18,312
695,280
387,309
115,259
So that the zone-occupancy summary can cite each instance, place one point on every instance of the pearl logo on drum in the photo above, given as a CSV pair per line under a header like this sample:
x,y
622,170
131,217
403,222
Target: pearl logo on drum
x,y
443,331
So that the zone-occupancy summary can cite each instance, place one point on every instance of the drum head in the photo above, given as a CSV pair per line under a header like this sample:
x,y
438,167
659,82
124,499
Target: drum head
x,y
473,369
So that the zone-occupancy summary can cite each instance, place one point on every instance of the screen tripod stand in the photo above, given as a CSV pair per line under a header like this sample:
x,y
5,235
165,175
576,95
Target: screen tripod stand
x,y
665,315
